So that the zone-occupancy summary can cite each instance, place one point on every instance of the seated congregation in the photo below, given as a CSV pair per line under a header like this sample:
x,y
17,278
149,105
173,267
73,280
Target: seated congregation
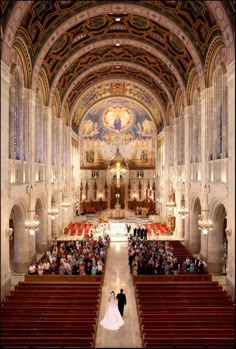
x,y
76,257
153,257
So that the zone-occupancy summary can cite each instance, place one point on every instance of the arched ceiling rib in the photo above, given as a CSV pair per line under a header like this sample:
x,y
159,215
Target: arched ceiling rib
x,y
128,51
119,68
73,42
142,19
13,12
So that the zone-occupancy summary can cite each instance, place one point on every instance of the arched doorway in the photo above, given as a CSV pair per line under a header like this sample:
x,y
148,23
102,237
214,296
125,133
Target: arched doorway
x,y
194,234
217,241
120,191
19,241
11,244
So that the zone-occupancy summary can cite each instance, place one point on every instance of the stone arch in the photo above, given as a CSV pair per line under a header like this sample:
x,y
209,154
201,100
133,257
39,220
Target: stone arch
x,y
23,59
41,232
19,244
43,86
107,8
194,234
216,236
219,119
170,114
66,114
215,50
21,8
135,43
179,103
56,103
192,85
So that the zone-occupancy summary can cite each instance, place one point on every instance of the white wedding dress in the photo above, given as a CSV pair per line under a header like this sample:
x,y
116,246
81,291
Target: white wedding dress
x,y
112,319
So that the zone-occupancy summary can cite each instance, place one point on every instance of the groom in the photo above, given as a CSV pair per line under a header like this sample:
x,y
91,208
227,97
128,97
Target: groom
x,y
121,301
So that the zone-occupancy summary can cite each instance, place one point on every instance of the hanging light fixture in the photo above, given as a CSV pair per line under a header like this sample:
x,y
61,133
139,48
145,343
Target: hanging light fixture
x,y
183,211
53,212
32,225
65,205
205,225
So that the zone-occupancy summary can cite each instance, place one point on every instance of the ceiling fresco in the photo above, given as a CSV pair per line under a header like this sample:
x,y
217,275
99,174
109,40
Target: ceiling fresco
x,y
108,89
117,123
74,43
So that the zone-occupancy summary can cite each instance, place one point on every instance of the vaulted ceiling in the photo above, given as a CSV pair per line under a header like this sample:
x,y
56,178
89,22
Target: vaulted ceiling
x,y
84,51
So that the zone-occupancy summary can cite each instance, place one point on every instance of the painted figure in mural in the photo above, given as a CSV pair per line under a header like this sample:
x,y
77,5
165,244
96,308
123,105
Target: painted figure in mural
x,y
117,123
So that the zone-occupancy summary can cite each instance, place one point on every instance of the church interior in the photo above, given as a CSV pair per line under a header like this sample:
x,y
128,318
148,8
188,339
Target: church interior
x,y
117,131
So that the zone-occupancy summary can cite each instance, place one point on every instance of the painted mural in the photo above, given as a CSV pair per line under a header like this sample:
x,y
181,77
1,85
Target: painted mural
x,y
117,123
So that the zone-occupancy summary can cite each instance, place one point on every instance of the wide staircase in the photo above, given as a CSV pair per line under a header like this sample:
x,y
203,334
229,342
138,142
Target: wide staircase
x,y
53,314
187,310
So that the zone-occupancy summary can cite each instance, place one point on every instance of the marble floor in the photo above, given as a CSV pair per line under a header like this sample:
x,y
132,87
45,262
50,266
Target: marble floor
x,y
118,276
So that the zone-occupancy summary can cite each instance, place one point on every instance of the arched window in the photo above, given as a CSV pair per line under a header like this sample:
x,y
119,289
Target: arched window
x,y
40,132
171,144
16,124
54,140
196,129
64,146
180,140
220,117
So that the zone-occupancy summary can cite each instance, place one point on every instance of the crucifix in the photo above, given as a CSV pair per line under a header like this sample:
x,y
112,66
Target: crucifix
x,y
118,169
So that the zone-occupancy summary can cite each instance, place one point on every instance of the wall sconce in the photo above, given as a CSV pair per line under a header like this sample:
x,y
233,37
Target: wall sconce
x,y
32,225
53,212
228,231
9,232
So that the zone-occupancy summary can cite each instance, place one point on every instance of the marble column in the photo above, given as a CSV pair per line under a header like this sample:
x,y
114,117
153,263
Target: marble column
x,y
215,249
60,180
187,185
48,185
230,278
5,191
166,173
194,241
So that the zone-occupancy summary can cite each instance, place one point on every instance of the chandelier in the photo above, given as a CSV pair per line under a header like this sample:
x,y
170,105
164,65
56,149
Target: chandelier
x,y
183,211
65,205
32,225
53,212
205,225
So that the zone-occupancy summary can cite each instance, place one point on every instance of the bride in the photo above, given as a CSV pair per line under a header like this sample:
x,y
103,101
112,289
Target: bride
x,y
112,319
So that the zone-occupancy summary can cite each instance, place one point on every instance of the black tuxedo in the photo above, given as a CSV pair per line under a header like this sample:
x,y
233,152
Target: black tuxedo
x,y
121,302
